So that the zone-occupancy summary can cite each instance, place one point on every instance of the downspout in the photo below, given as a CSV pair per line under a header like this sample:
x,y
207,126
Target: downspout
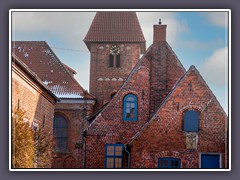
x,y
84,149
129,156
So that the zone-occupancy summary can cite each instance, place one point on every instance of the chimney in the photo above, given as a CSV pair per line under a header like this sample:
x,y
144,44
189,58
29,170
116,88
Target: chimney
x,y
159,32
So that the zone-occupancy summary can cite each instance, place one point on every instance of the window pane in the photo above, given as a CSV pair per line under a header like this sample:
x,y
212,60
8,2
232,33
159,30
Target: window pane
x,y
118,163
128,115
118,60
169,163
132,105
110,150
130,99
110,162
111,61
118,150
128,105
127,110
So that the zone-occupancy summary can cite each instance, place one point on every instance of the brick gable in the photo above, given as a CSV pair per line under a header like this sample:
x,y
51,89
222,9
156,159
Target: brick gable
x,y
163,135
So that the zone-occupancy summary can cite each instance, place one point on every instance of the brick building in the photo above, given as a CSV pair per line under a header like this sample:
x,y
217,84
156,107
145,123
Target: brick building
x,y
144,110
33,98
161,117
75,104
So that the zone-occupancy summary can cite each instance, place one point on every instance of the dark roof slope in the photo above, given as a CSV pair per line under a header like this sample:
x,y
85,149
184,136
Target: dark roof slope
x,y
115,27
40,58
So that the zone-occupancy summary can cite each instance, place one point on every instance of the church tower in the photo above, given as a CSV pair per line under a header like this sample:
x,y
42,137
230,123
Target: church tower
x,y
115,41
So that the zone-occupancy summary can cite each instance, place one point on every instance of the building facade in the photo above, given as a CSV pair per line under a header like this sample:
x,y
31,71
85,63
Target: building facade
x,y
161,117
144,109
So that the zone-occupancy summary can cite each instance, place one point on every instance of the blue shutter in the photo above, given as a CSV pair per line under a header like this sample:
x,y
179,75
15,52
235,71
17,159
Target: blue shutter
x,y
210,161
190,121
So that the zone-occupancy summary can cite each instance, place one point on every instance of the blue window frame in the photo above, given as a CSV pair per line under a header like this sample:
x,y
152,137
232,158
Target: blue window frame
x,y
169,163
60,133
190,123
114,155
130,108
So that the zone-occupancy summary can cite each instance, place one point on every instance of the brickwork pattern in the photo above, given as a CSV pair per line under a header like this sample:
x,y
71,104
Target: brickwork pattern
x,y
105,80
108,126
164,135
76,115
37,108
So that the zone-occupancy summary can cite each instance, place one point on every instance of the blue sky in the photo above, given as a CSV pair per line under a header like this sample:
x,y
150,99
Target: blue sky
x,y
197,38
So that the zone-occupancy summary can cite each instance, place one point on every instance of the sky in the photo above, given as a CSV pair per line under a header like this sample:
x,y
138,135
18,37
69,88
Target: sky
x,y
197,38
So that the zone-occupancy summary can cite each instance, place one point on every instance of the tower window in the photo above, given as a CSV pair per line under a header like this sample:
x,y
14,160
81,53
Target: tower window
x,y
130,108
111,60
114,59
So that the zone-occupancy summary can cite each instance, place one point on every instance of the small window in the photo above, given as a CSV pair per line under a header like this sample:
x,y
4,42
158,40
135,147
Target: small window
x,y
60,134
111,60
118,60
130,108
114,156
166,163
190,119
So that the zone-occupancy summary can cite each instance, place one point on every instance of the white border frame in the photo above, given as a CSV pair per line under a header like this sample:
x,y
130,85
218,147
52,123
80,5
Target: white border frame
x,y
137,10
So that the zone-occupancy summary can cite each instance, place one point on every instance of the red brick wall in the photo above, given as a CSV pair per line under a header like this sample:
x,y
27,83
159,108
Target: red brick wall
x,y
164,136
104,79
30,99
108,126
76,116
165,71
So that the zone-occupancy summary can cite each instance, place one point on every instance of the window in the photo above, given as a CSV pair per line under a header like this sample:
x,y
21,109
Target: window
x,y
190,119
118,60
114,155
111,60
60,133
114,60
130,108
169,163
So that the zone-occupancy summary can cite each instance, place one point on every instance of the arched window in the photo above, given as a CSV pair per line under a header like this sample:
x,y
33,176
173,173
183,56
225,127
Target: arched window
x,y
190,121
114,59
130,108
60,133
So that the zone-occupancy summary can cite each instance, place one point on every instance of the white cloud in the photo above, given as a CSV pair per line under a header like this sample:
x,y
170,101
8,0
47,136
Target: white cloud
x,y
174,26
70,27
217,18
215,68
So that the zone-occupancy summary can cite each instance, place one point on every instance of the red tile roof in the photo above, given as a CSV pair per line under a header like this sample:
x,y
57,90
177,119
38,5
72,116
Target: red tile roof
x,y
115,27
40,58
18,62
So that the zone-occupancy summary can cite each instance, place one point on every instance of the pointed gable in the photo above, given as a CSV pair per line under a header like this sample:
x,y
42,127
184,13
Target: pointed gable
x,y
115,27
40,58
191,92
